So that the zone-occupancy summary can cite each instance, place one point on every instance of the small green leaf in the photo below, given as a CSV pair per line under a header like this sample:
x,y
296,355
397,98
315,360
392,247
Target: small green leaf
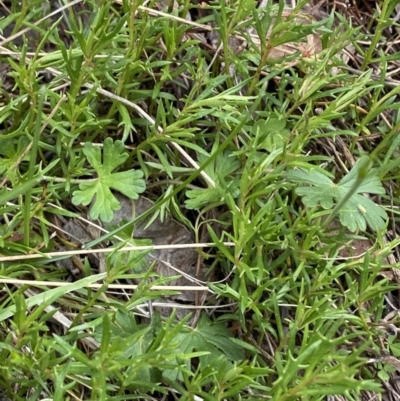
x,y
383,375
129,183
126,121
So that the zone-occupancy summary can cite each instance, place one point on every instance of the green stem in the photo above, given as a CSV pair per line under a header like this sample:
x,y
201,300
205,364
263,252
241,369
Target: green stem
x,y
32,165
360,178
377,35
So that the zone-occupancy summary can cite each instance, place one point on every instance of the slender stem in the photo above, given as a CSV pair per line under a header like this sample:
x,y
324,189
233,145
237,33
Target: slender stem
x,y
377,35
32,165
362,173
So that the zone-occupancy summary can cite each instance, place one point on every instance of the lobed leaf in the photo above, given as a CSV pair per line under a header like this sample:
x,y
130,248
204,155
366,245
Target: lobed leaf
x,y
316,189
98,192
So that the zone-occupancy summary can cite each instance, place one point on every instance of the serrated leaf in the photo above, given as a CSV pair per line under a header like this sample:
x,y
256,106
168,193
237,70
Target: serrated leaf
x,y
359,211
214,339
201,197
219,336
208,336
129,183
318,189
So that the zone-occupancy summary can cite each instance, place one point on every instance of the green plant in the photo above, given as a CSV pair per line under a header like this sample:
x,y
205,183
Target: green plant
x,y
239,122
128,182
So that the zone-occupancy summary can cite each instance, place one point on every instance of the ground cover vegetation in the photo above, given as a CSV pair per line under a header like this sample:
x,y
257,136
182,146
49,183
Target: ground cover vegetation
x,y
267,132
